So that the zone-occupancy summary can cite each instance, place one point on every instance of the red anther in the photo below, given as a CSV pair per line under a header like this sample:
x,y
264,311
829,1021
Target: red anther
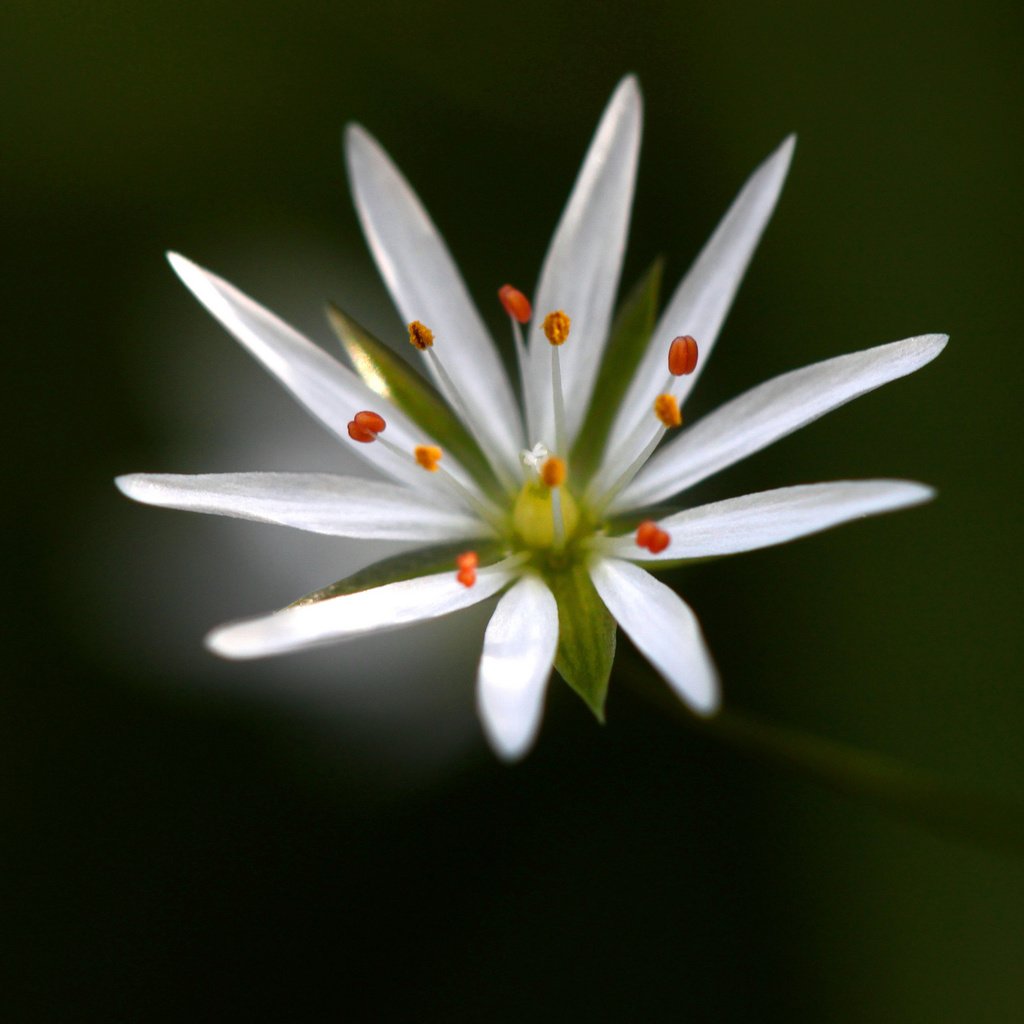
x,y
467,560
682,356
659,541
651,536
467,563
362,434
516,304
371,421
365,426
645,532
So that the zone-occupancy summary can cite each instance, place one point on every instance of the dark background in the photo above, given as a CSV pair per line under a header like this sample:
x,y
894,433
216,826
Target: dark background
x,y
327,836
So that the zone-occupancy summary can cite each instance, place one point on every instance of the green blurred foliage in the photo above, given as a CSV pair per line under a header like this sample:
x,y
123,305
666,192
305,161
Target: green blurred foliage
x,y
171,855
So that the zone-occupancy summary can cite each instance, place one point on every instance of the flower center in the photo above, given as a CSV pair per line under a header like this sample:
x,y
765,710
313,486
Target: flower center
x,y
536,519
544,514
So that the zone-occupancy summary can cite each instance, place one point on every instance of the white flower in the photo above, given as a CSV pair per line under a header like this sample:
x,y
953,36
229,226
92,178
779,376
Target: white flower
x,y
488,484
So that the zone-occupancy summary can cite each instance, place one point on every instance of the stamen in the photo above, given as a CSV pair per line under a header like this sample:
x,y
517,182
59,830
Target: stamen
x,y
552,475
682,356
516,304
466,563
428,456
523,359
467,560
645,532
652,537
421,336
659,542
557,398
666,408
370,420
682,359
556,330
553,471
556,327
365,426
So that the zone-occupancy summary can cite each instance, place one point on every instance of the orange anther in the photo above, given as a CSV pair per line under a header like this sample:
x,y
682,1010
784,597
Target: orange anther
x,y
666,408
420,335
516,304
682,356
467,560
553,471
556,327
428,456
467,577
365,426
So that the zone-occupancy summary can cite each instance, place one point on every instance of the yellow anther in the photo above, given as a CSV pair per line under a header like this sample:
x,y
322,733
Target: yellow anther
x,y
666,408
420,335
556,327
428,456
553,472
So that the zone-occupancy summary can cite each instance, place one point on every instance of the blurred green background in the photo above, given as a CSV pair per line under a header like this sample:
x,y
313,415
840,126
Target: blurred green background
x,y
327,837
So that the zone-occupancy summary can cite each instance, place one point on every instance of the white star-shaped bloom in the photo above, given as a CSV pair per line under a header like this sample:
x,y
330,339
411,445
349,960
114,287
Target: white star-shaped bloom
x,y
555,503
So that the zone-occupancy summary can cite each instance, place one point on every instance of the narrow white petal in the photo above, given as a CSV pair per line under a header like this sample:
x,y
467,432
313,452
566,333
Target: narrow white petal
x,y
581,270
770,411
773,517
333,393
341,506
338,618
663,628
425,285
701,301
519,650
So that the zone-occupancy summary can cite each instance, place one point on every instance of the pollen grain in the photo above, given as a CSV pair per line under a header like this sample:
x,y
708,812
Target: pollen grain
x,y
428,456
666,408
556,327
420,336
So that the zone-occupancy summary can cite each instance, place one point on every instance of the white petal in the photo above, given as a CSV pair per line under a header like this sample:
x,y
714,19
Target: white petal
x,y
773,517
338,618
519,650
425,285
701,301
333,393
341,506
581,270
663,628
770,411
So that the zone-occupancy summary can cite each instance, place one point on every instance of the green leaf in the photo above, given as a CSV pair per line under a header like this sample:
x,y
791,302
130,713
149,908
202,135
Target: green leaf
x,y
391,377
586,636
630,335
405,566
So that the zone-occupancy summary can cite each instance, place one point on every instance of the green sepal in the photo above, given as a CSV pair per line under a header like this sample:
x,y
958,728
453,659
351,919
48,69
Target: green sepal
x,y
630,335
586,636
406,566
391,377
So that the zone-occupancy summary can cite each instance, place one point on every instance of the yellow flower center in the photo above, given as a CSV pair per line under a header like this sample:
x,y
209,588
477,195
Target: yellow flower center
x,y
533,515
